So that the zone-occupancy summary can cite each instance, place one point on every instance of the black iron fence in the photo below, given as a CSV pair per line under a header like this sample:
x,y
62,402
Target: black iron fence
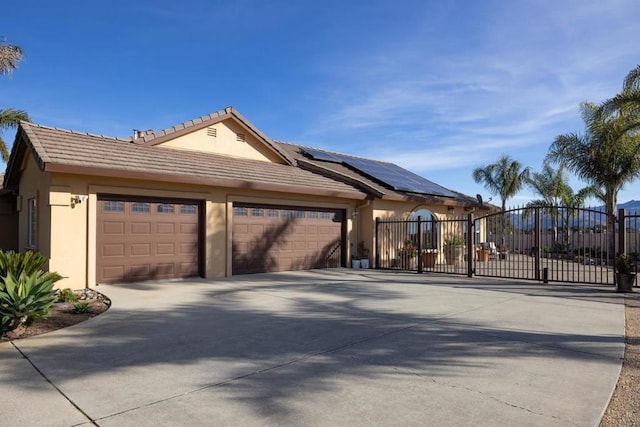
x,y
548,244
555,244
629,241
423,244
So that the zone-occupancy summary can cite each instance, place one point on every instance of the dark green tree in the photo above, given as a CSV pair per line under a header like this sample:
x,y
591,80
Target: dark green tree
x,y
505,178
606,156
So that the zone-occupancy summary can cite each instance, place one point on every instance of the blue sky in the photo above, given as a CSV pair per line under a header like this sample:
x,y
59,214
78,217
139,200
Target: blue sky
x,y
438,87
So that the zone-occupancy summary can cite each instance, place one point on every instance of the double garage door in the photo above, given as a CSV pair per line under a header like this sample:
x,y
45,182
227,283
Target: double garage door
x,y
142,239
276,238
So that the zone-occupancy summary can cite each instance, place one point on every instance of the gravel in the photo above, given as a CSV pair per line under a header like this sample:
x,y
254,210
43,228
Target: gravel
x,y
624,408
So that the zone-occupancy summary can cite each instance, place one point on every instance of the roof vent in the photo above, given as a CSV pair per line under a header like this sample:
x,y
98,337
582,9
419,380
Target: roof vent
x,y
241,137
213,132
137,133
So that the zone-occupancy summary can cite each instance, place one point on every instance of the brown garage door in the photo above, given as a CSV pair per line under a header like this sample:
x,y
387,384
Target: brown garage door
x,y
272,238
143,239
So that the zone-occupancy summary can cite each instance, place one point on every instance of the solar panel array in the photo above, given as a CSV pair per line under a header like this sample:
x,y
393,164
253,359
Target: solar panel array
x,y
386,173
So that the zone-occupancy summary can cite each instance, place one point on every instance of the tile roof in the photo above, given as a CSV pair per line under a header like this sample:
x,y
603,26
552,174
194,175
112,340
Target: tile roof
x,y
154,135
68,151
65,151
153,138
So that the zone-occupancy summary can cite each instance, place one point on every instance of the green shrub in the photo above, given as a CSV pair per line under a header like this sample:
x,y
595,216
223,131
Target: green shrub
x,y
81,307
28,297
623,264
16,263
454,241
67,295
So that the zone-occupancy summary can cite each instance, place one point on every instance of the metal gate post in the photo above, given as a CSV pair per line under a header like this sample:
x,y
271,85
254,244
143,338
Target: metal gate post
x,y
622,232
419,245
471,232
377,246
536,231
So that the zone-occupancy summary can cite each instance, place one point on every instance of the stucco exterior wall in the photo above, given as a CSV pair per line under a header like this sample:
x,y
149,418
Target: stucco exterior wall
x,y
8,223
73,226
66,231
225,142
34,184
386,209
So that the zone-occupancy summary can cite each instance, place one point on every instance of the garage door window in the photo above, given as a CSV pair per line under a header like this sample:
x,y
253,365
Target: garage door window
x,y
165,208
240,211
140,207
113,207
187,209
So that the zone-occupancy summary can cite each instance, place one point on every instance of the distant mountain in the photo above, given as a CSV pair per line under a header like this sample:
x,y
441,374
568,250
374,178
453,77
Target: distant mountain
x,y
582,220
632,206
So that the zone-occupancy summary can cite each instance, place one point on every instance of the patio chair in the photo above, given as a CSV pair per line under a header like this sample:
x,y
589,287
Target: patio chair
x,y
492,248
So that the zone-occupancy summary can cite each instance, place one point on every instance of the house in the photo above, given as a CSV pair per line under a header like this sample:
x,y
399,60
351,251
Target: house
x,y
210,197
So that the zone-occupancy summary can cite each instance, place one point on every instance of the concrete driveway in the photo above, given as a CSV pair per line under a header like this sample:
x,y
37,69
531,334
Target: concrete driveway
x,y
337,347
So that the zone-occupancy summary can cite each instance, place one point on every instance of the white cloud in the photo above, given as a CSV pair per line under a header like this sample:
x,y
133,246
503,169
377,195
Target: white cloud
x,y
512,89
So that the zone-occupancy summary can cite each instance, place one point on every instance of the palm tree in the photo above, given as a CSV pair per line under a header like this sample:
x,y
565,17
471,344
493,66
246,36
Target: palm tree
x,y
553,188
607,156
9,119
9,57
504,178
627,101
571,201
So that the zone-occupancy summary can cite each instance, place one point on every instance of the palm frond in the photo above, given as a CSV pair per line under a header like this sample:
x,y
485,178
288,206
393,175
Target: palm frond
x,y
504,177
632,81
10,118
4,151
9,57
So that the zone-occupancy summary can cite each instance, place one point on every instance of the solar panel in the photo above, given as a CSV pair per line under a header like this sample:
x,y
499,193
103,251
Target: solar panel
x,y
323,155
387,173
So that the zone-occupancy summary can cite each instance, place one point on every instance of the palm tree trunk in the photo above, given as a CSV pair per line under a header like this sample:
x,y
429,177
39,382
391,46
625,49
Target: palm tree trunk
x,y
610,210
504,223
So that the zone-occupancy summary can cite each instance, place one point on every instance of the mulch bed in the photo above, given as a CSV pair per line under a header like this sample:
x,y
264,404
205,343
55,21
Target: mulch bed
x,y
62,315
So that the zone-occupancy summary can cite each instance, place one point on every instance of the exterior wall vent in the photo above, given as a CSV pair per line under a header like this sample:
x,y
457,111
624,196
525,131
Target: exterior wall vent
x,y
241,137
212,132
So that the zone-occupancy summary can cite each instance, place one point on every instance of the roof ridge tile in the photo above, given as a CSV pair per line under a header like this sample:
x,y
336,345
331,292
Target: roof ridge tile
x,y
75,132
185,125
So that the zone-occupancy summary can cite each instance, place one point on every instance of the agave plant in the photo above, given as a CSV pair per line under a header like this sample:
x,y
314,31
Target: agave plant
x,y
16,263
25,298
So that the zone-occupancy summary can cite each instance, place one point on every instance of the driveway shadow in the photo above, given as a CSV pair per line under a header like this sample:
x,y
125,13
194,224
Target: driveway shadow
x,y
268,338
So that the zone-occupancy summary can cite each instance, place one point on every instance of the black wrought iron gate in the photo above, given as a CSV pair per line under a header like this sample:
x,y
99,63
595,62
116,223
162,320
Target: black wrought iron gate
x,y
554,244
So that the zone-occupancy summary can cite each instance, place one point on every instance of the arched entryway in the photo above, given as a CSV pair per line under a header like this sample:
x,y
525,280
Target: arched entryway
x,y
428,226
